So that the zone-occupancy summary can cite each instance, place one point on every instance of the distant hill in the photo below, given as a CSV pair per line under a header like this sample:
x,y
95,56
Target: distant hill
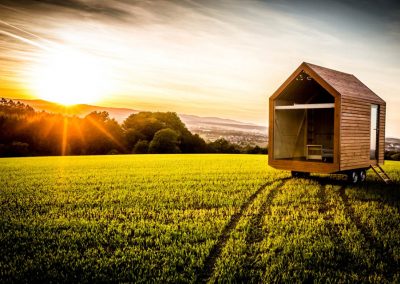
x,y
392,144
392,140
216,121
79,110
210,128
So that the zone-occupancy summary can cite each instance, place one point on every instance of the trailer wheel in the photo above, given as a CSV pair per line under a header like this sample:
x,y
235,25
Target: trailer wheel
x,y
300,174
362,175
353,177
296,174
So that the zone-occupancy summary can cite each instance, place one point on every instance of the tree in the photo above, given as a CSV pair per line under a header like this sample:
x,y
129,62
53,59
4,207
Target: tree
x,y
141,147
223,146
143,123
165,141
102,134
255,150
193,144
395,157
148,123
25,131
132,137
19,149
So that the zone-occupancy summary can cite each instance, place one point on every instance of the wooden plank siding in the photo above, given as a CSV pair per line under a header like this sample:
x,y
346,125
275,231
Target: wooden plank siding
x,y
303,166
354,134
271,130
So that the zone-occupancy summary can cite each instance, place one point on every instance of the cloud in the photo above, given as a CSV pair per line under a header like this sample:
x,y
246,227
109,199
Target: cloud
x,y
86,8
222,56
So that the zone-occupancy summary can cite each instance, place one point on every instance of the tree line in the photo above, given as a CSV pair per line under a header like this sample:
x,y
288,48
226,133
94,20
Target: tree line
x,y
26,132
392,155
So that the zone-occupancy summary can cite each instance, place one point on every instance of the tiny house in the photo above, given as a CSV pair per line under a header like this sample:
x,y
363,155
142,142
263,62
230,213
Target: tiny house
x,y
325,121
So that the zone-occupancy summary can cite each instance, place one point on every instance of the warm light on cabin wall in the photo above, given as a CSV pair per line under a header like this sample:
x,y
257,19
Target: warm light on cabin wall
x,y
67,76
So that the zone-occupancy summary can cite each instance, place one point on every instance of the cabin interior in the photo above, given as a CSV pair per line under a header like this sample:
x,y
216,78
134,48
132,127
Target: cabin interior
x,y
304,122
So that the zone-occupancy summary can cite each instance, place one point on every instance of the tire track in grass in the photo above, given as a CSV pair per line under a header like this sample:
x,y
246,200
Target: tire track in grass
x,y
256,233
323,207
215,252
372,243
343,259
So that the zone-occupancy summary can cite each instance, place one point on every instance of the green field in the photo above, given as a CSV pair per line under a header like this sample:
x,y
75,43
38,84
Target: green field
x,y
192,218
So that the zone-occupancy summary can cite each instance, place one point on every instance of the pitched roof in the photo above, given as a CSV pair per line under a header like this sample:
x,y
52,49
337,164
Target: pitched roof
x,y
347,85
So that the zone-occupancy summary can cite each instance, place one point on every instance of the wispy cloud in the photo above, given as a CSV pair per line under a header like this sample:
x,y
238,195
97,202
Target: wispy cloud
x,y
203,57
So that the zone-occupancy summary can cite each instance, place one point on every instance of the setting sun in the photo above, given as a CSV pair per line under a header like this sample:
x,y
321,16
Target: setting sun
x,y
69,77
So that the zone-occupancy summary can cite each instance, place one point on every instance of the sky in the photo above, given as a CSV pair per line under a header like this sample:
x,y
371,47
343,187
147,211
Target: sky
x,y
207,58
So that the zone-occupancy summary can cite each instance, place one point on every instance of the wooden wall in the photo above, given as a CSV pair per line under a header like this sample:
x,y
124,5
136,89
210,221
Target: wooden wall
x,y
355,133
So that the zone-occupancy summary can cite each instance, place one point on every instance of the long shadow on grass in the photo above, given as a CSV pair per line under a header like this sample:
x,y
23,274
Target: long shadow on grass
x,y
215,252
389,194
343,259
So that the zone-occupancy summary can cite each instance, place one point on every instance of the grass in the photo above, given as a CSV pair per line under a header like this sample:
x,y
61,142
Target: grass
x,y
192,218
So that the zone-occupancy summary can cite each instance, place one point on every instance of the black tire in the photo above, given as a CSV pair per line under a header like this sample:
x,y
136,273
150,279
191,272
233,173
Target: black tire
x,y
362,175
353,177
300,174
296,174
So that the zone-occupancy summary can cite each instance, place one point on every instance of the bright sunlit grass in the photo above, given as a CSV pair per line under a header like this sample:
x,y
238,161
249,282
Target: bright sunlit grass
x,y
156,218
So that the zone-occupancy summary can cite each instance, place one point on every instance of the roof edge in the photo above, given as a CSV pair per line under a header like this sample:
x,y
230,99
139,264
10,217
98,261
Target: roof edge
x,y
319,72
304,66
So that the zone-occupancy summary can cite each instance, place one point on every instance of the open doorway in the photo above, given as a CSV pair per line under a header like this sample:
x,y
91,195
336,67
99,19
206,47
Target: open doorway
x,y
374,132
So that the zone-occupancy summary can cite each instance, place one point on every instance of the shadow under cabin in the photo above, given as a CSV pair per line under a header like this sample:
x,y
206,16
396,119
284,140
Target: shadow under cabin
x,y
326,121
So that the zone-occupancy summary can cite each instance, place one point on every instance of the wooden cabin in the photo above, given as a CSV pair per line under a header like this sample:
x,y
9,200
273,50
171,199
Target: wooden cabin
x,y
325,121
